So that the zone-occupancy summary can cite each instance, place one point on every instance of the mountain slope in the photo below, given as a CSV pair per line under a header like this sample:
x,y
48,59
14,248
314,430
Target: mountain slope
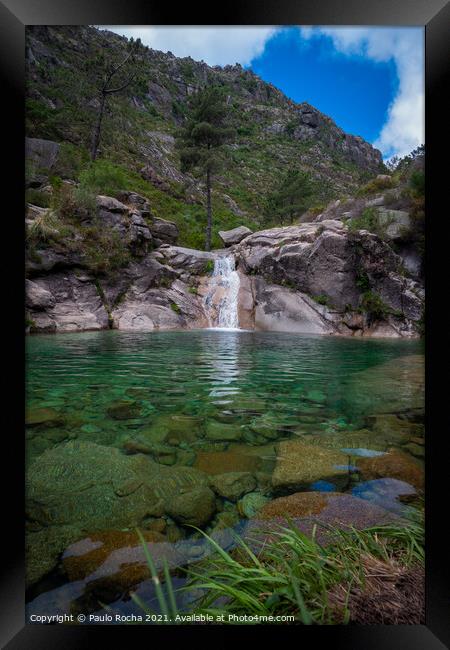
x,y
137,146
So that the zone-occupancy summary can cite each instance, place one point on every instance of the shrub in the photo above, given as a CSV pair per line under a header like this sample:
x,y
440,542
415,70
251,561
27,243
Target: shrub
x,y
104,177
37,197
176,308
373,306
104,249
322,299
367,220
209,267
417,183
376,185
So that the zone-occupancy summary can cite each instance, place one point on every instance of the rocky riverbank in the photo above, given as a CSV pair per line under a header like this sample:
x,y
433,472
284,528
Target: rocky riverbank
x,y
322,277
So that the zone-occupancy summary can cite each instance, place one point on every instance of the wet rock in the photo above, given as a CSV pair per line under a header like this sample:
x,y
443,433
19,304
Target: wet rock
x,y
305,510
218,462
220,431
123,410
395,464
233,485
299,464
194,507
43,548
389,493
83,558
96,487
251,504
47,417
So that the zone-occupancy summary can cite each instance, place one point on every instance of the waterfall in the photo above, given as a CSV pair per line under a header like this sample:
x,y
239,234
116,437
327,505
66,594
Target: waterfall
x,y
221,301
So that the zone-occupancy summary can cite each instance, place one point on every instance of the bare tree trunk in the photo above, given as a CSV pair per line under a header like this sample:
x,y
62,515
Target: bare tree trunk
x,y
98,127
208,211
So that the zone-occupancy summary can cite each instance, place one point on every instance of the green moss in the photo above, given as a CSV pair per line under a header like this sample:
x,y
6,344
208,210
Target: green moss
x,y
176,308
322,299
208,267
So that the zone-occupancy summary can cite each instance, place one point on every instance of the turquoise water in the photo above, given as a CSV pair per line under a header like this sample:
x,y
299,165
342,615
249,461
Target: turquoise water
x,y
294,381
221,401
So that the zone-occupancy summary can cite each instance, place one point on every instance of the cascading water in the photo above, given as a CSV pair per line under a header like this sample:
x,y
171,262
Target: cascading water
x,y
221,301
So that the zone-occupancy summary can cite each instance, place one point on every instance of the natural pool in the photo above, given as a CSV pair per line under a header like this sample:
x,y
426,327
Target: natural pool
x,y
292,412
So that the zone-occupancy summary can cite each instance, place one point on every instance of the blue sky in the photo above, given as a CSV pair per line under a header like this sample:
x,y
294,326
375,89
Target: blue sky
x,y
369,80
355,91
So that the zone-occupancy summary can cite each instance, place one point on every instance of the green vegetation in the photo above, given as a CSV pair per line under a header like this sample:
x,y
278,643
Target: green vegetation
x,y
376,185
322,299
201,141
176,308
367,220
209,267
293,575
373,306
291,198
63,105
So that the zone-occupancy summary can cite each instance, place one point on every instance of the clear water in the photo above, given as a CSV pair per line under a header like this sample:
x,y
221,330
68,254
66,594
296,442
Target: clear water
x,y
289,378
268,386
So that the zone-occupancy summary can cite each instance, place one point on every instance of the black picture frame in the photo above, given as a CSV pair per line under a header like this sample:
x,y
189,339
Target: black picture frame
x,y
434,15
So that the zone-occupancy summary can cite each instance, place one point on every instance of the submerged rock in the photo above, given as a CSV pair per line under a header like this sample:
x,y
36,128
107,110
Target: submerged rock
x,y
233,485
194,507
251,503
219,431
219,462
123,410
43,548
96,487
395,464
315,511
299,464
47,417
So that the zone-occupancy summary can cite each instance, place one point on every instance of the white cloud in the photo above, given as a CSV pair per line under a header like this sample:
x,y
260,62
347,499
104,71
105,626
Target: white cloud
x,y
404,128
214,45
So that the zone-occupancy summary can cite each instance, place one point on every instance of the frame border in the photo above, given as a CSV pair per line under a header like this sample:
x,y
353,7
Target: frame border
x,y
434,15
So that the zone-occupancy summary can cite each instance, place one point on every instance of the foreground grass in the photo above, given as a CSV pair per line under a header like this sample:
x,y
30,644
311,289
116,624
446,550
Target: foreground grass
x,y
293,574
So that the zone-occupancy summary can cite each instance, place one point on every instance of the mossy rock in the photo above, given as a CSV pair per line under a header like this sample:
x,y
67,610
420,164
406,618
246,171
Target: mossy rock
x,y
233,485
123,410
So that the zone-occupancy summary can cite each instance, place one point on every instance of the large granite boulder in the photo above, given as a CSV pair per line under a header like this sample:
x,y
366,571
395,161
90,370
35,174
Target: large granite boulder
x,y
234,236
41,153
334,267
65,301
163,231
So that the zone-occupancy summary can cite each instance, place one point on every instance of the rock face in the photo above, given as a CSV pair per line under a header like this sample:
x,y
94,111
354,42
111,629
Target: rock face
x,y
314,277
234,236
65,302
42,153
318,277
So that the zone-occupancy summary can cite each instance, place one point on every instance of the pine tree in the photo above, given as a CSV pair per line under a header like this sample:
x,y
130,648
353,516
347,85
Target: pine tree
x,y
112,76
291,198
201,141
